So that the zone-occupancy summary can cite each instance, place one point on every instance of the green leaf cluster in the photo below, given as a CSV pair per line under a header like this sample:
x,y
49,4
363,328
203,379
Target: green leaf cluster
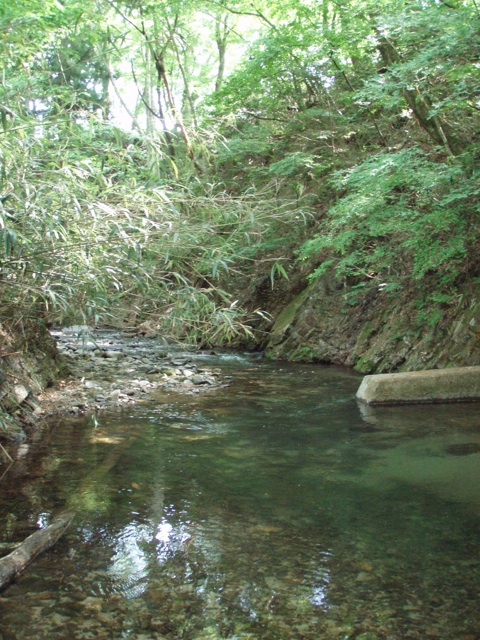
x,y
400,218
347,132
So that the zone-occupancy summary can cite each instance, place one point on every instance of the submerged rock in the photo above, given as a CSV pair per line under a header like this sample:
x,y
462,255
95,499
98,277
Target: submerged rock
x,y
463,449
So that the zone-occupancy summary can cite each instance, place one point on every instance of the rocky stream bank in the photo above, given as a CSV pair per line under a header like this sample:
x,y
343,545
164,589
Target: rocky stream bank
x,y
98,370
111,369
373,331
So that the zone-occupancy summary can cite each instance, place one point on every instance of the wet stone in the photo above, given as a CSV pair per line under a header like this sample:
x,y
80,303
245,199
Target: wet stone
x,y
120,362
145,368
463,449
199,379
90,384
179,362
87,346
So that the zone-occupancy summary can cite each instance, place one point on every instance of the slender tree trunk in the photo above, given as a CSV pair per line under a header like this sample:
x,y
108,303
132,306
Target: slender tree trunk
x,y
221,36
135,123
186,86
148,92
157,54
166,132
163,78
438,130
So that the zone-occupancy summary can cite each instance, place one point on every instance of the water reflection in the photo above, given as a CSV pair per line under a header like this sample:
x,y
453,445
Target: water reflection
x,y
322,578
276,510
172,539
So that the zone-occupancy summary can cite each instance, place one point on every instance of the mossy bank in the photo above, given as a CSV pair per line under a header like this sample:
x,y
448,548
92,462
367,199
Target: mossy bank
x,y
376,332
29,362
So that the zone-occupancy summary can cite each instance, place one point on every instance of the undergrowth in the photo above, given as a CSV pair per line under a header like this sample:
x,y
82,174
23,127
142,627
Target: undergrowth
x,y
402,222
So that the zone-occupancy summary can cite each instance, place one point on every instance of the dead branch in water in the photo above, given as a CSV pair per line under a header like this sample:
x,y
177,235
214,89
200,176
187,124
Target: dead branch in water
x,y
14,563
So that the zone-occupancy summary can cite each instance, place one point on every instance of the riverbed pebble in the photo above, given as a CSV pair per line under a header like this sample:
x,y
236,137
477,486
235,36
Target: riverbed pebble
x,y
108,369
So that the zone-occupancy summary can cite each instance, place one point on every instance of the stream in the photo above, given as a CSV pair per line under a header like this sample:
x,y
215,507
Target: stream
x,y
272,508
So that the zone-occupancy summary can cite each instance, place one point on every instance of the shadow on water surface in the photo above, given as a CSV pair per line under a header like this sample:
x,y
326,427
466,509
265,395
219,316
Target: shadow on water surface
x,y
272,509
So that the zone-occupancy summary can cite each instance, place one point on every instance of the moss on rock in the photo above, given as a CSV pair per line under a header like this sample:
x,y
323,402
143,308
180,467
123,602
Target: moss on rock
x,y
29,362
379,333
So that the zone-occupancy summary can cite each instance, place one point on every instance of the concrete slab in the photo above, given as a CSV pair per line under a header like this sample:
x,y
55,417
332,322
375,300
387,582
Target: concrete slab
x,y
458,384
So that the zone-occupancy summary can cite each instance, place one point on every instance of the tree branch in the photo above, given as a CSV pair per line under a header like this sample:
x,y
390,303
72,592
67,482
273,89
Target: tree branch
x,y
15,562
120,13
142,97
256,14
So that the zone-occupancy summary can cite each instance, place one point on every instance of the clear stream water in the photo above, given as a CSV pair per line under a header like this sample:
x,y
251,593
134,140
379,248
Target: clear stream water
x,y
276,508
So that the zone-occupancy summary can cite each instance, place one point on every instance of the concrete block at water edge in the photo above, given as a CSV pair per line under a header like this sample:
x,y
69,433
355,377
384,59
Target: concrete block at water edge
x,y
437,385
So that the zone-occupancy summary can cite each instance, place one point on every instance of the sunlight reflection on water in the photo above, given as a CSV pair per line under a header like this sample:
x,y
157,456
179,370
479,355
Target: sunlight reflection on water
x,y
272,509
129,565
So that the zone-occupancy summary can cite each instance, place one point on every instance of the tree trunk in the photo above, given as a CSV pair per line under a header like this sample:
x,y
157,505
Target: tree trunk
x,y
135,123
438,130
221,37
162,77
13,564
188,97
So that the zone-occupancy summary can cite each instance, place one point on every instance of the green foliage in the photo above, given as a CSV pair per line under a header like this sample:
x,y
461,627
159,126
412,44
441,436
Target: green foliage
x,y
165,222
401,219
205,317
95,234
277,270
294,163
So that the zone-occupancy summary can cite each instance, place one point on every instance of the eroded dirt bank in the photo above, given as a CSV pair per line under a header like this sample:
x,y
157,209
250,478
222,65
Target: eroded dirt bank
x,y
29,363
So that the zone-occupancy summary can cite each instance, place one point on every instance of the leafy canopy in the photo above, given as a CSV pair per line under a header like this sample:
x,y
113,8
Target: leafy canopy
x,y
156,158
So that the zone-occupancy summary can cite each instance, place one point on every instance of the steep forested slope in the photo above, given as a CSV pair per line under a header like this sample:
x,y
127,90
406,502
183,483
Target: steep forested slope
x,y
369,116
209,167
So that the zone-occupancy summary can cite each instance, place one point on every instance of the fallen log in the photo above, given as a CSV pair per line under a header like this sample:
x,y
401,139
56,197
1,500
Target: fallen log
x,y
7,547
14,563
